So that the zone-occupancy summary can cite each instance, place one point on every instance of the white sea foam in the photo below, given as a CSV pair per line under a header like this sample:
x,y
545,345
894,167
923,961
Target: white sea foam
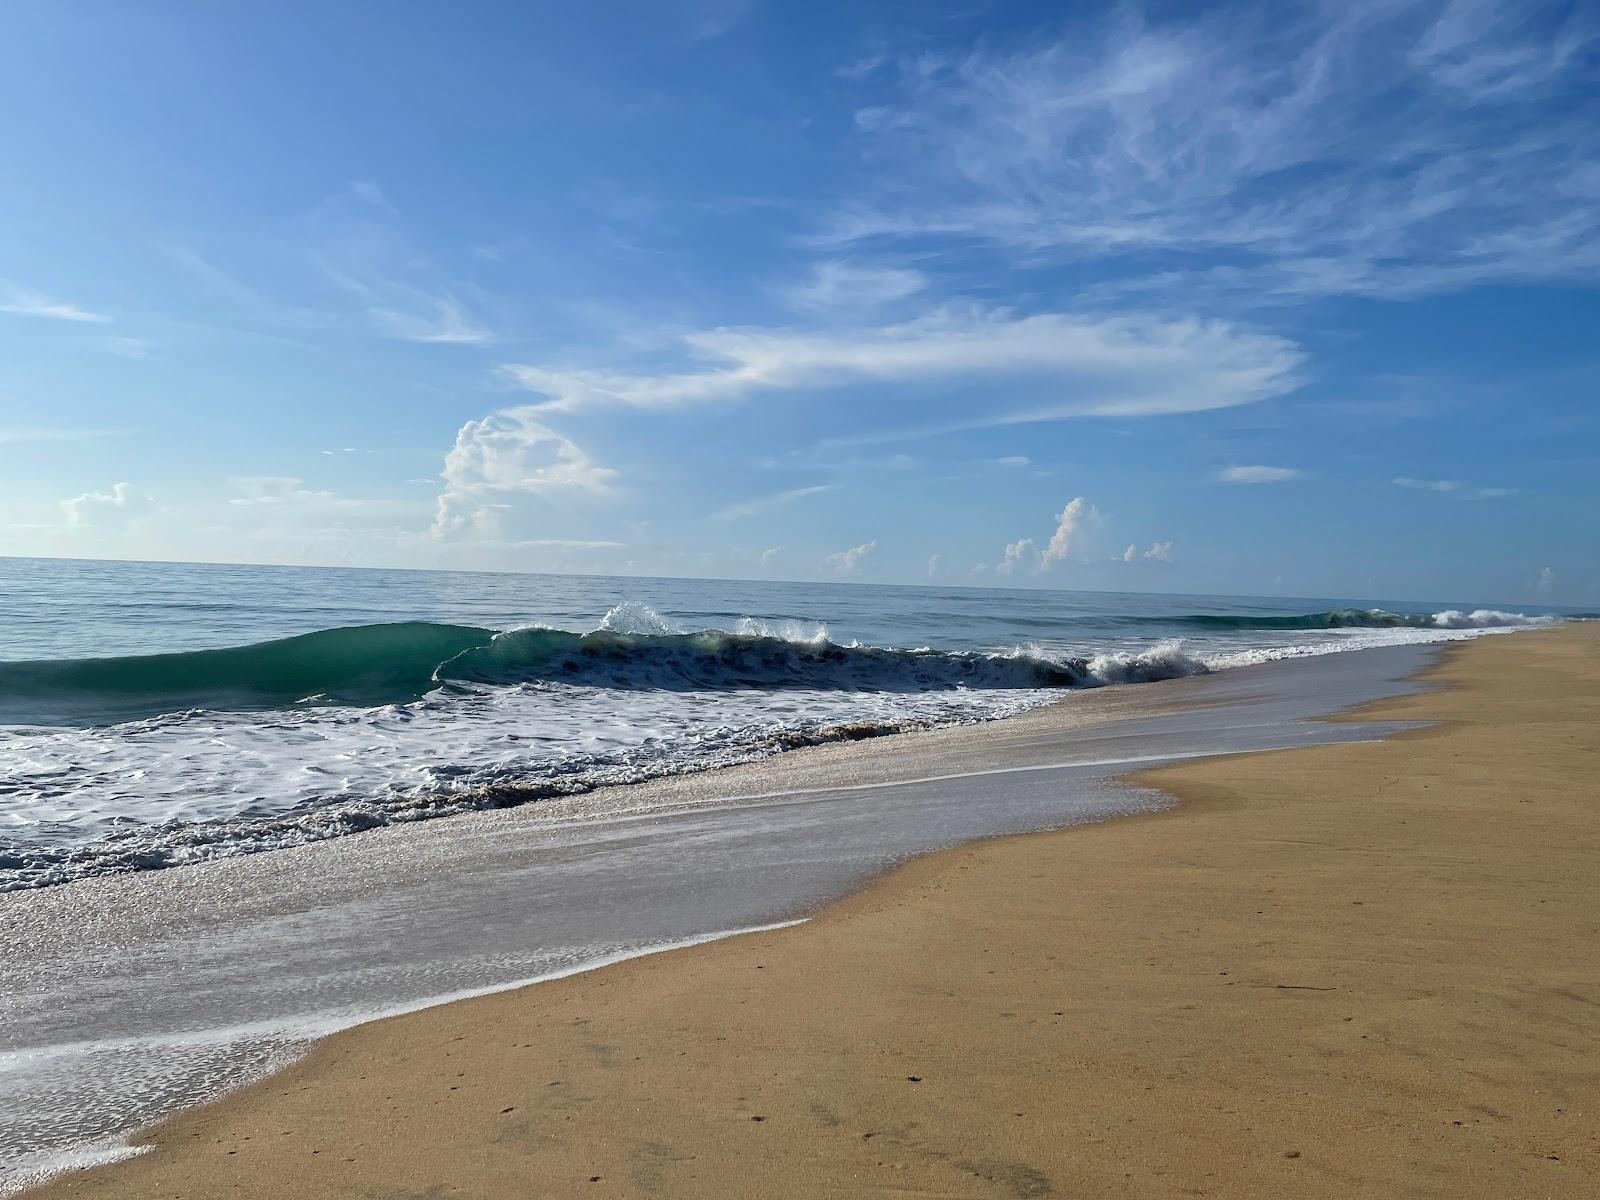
x,y
1487,618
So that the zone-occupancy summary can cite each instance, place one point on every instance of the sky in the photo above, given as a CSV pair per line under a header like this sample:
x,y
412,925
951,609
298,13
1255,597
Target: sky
x,y
1291,299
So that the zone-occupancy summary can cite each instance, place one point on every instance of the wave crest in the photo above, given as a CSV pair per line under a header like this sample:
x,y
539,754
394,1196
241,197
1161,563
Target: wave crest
x,y
1361,618
714,659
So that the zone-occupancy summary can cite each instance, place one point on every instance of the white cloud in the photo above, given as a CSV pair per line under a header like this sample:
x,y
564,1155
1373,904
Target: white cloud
x,y
107,510
1014,460
442,322
1070,525
508,453
15,434
845,561
1160,551
1258,474
1017,553
569,544
1054,365
368,192
1428,485
935,562
1378,147
1454,485
18,302
357,240
760,504
711,19
274,489
1545,581
769,554
1130,553
835,285
1073,524
129,347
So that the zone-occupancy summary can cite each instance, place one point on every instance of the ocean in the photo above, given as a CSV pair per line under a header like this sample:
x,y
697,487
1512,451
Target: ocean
x,y
156,714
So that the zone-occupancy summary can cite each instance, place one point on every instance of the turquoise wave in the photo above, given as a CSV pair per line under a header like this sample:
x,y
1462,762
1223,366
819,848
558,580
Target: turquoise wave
x,y
1355,618
363,664
388,664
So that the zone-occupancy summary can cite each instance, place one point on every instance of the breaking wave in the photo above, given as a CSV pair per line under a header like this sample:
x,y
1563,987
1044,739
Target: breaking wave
x,y
633,649
1361,618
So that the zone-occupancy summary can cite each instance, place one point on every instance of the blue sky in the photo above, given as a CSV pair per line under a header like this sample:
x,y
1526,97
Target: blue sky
x,y
1292,299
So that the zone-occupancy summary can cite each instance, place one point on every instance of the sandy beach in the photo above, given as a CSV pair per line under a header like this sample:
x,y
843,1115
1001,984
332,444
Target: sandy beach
x,y
1351,970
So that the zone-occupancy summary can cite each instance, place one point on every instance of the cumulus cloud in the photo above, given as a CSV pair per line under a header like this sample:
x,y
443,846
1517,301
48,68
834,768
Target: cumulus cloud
x,y
1070,525
1545,580
1160,551
1257,474
1017,553
505,454
107,510
1374,147
1131,553
935,562
1054,365
845,561
18,302
1073,525
769,554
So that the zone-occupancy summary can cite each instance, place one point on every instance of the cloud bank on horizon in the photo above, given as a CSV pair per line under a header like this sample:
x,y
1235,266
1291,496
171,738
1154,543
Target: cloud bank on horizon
x,y
1231,298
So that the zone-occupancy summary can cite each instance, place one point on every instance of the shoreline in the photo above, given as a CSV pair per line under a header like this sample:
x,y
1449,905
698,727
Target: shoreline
x,y
872,897
793,746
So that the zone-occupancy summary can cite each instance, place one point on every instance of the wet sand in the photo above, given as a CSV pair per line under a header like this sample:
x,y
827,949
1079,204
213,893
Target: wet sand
x,y
1349,970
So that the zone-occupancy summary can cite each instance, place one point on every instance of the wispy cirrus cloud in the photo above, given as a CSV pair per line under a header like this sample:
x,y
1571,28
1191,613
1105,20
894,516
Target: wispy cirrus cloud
x,y
835,284
439,320
269,490
1453,485
1381,147
14,435
348,265
761,504
570,544
20,302
1054,365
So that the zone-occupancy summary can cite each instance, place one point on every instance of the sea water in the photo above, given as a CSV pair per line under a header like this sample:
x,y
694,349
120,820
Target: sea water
x,y
158,714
